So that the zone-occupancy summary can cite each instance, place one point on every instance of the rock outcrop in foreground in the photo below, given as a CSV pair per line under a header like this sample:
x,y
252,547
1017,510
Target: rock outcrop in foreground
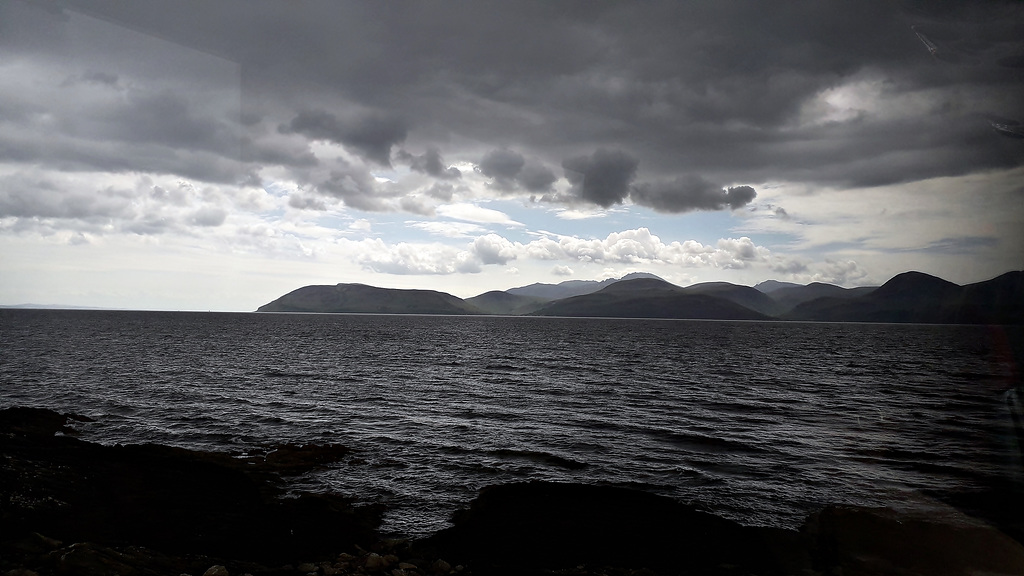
x,y
180,503
72,507
514,529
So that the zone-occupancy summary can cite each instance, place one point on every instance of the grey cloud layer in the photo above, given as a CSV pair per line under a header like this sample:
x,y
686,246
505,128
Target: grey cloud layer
x,y
430,162
509,170
372,135
147,208
662,103
603,177
691,193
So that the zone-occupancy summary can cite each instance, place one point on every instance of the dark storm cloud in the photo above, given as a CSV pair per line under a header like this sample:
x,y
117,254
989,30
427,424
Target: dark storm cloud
x,y
509,170
430,162
690,193
602,178
76,154
714,88
32,196
371,135
94,77
739,196
162,118
97,126
281,153
355,187
536,178
503,165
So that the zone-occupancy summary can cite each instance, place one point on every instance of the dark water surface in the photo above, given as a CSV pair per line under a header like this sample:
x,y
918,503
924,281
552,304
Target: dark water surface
x,y
757,421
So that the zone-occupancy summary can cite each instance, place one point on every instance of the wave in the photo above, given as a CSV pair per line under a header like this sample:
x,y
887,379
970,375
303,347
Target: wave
x,y
755,419
544,458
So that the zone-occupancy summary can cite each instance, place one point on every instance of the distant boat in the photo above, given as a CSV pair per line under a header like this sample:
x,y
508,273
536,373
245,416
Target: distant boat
x,y
1011,130
931,46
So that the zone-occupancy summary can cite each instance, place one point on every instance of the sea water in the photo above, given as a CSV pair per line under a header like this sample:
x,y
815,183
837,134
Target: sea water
x,y
762,422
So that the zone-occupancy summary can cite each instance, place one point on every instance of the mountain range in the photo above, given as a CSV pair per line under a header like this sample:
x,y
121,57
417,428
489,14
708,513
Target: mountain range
x,y
908,297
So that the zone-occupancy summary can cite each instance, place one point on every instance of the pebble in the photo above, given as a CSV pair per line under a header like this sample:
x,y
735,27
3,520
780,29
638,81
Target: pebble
x,y
216,570
374,561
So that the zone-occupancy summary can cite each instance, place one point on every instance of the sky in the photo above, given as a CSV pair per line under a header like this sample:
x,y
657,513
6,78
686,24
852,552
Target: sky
x,y
197,155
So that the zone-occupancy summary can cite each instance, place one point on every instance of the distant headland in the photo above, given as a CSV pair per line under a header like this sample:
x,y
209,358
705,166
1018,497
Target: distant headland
x,y
910,297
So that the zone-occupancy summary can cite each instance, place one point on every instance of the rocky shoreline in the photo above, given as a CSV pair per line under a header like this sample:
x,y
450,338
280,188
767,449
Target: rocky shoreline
x,y
74,507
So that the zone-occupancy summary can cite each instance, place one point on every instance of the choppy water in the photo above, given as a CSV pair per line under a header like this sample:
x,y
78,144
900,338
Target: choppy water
x,y
760,422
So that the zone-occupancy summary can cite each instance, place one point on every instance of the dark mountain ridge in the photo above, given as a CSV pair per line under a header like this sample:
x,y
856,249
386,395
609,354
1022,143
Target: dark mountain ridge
x,y
922,298
648,298
506,303
769,286
570,288
360,298
908,297
743,295
639,286
791,296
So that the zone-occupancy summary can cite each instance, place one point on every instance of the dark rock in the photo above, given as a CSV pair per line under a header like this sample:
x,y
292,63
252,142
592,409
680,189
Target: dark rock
x,y
299,458
374,561
546,528
26,552
852,541
89,559
540,525
149,510
21,572
37,422
169,499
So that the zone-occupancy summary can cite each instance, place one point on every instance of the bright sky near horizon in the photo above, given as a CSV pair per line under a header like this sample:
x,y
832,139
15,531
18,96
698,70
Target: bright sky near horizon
x,y
194,155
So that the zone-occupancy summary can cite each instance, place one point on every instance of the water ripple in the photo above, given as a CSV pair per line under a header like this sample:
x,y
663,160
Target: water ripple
x,y
761,422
